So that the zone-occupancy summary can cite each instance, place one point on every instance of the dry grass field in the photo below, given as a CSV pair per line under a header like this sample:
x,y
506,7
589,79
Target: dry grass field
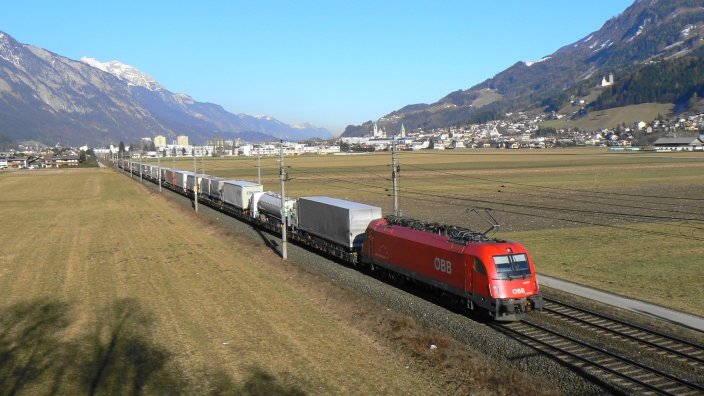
x,y
629,223
107,287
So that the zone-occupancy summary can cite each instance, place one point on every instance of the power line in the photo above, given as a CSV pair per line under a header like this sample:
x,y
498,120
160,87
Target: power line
x,y
569,220
519,206
556,188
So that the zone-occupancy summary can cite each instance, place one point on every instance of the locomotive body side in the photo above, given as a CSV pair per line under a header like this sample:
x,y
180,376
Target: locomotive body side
x,y
465,270
422,256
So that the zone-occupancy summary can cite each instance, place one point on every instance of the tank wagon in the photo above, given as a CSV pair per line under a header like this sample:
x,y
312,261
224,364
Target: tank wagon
x,y
490,275
266,206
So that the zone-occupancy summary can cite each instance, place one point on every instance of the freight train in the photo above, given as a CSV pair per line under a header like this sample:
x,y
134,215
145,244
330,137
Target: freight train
x,y
494,276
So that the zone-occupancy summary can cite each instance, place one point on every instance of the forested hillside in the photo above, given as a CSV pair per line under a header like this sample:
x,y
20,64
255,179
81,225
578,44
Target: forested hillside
x,y
675,82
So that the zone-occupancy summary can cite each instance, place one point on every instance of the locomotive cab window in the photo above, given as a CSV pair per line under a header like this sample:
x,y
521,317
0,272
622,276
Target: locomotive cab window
x,y
512,266
479,266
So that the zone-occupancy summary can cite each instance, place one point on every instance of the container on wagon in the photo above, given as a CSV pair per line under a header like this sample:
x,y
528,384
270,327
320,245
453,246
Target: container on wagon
x,y
206,184
192,179
216,186
181,178
336,220
238,192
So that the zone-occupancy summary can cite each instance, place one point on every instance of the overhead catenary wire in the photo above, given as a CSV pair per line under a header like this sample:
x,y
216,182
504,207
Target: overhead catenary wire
x,y
553,208
466,200
557,188
562,198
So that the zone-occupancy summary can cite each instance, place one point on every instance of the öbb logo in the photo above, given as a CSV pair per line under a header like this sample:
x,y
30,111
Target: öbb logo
x,y
443,265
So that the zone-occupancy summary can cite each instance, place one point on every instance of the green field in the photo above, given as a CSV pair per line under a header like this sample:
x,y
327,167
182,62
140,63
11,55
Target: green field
x,y
630,223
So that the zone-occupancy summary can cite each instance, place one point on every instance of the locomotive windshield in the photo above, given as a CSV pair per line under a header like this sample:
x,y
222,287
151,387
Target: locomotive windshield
x,y
512,266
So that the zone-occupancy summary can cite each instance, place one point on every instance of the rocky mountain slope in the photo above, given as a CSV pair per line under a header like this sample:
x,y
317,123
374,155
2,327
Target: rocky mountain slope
x,y
50,98
649,31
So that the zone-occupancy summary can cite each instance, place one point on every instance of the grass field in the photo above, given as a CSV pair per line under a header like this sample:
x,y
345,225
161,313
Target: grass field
x,y
612,118
630,223
107,287
105,291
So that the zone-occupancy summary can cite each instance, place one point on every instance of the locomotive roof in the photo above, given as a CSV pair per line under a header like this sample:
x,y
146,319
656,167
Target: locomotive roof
x,y
454,233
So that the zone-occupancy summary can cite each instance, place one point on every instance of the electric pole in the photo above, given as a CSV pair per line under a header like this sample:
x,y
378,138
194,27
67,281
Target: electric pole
x,y
259,169
195,180
394,176
282,172
158,165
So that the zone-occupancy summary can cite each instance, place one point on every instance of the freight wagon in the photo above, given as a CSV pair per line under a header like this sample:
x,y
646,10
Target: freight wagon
x,y
238,193
335,220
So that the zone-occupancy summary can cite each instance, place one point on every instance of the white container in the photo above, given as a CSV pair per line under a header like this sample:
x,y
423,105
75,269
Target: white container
x,y
206,184
336,220
192,179
238,193
216,186
181,178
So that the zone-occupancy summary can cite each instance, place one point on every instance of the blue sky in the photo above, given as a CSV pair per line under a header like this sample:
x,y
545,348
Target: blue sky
x,y
330,63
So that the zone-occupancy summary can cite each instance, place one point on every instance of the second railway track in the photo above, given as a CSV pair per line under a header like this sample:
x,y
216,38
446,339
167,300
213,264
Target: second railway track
x,y
631,358
623,373
639,336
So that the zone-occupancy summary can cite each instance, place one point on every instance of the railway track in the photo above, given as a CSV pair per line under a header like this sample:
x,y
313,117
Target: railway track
x,y
622,372
611,366
643,338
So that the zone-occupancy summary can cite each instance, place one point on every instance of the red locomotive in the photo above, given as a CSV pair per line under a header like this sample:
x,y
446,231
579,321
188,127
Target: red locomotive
x,y
494,275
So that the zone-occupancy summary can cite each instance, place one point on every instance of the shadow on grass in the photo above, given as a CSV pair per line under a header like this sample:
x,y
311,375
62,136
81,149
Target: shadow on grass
x,y
271,243
114,357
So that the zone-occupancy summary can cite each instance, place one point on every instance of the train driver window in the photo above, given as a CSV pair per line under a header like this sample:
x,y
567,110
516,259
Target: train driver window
x,y
512,266
479,266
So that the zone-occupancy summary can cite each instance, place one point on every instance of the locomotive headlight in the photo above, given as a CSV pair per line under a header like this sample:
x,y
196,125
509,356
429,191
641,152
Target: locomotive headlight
x,y
497,290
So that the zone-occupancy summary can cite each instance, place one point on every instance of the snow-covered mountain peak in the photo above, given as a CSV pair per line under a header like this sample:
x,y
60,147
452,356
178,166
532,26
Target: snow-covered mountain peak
x,y
183,98
8,51
124,72
531,63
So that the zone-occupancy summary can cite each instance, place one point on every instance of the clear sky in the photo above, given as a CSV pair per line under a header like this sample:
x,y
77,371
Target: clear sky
x,y
330,63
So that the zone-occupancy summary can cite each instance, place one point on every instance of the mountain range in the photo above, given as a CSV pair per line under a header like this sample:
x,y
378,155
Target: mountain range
x,y
51,99
649,33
